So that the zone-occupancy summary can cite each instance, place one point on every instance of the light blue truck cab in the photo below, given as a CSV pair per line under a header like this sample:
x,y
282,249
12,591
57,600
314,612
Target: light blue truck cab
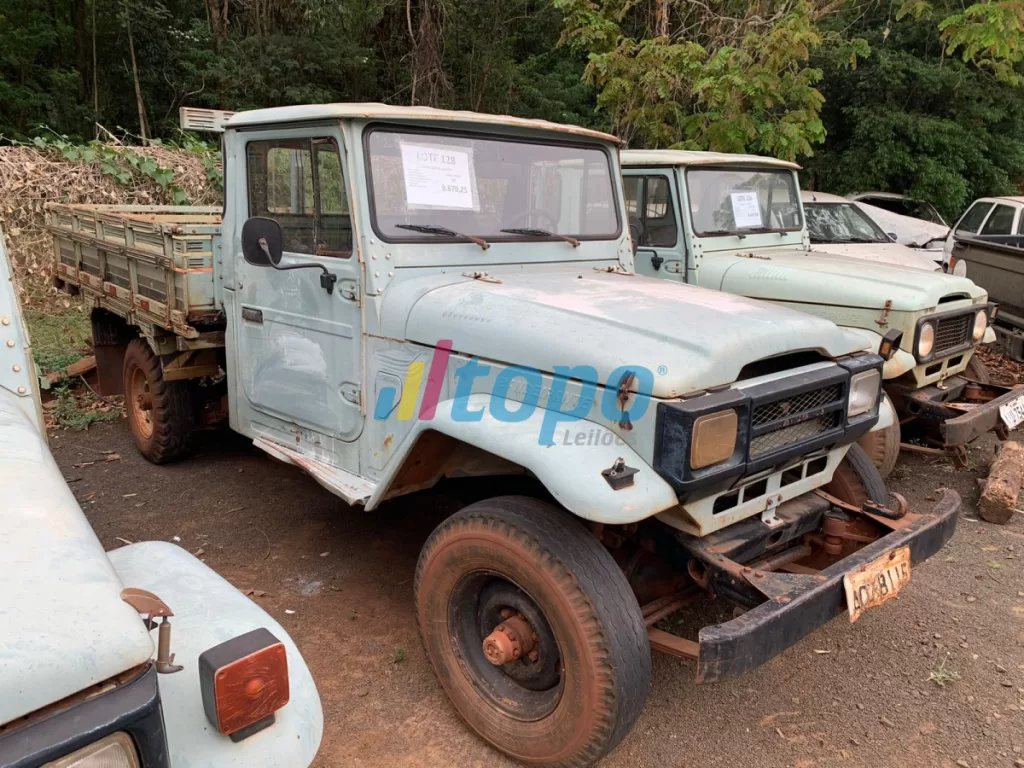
x,y
401,297
736,223
90,671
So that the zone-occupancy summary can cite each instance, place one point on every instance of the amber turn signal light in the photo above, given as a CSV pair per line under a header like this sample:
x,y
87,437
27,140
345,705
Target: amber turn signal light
x,y
890,343
714,438
244,681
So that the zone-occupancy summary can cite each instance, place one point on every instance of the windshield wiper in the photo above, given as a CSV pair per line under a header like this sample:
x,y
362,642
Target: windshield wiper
x,y
862,240
716,232
534,232
431,229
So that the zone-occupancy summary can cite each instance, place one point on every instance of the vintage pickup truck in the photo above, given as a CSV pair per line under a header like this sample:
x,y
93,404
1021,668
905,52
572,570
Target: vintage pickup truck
x,y
736,223
987,244
90,674
397,297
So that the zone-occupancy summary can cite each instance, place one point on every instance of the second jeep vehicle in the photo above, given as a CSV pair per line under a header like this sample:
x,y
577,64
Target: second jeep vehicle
x,y
735,223
399,296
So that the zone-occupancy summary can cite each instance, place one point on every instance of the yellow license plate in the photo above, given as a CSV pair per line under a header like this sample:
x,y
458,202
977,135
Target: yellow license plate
x,y
880,580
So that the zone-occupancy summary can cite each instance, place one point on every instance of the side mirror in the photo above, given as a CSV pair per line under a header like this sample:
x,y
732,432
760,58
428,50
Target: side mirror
x,y
262,242
893,236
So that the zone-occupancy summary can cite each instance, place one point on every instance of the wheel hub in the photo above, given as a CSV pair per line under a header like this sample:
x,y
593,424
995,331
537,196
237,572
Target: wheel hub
x,y
510,640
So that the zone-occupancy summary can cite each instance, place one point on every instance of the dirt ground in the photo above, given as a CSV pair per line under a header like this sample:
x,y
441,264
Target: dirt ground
x,y
847,695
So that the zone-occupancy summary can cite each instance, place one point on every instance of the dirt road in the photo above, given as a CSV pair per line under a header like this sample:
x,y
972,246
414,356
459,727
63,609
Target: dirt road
x,y
847,695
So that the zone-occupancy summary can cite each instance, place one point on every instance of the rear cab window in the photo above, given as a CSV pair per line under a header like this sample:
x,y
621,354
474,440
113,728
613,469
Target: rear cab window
x,y
971,221
1000,222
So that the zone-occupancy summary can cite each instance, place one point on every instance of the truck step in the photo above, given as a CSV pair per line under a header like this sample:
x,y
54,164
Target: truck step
x,y
353,489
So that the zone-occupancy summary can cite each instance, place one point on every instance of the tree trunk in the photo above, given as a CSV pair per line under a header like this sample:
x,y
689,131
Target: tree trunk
x,y
81,47
217,14
143,127
999,496
95,78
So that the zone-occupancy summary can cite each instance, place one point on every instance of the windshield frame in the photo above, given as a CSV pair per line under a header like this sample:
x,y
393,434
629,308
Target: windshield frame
x,y
614,176
743,167
857,209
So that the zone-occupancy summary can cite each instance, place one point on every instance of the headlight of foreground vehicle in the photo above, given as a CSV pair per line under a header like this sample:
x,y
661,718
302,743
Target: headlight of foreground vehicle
x,y
113,751
864,387
980,324
714,438
925,340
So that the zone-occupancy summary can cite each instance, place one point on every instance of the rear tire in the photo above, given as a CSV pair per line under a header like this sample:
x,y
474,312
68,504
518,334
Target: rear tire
x,y
976,371
582,691
858,480
883,447
159,412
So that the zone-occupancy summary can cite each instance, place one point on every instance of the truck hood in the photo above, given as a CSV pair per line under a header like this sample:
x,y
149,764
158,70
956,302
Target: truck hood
x,y
63,625
881,253
688,337
822,278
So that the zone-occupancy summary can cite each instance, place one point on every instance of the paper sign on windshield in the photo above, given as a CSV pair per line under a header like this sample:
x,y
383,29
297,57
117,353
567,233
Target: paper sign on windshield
x,y
745,209
438,177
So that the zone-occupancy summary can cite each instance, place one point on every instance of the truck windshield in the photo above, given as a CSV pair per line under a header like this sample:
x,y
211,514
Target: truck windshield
x,y
486,187
841,223
736,201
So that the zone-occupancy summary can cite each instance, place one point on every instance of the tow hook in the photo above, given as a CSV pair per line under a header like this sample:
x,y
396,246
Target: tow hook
x,y
151,607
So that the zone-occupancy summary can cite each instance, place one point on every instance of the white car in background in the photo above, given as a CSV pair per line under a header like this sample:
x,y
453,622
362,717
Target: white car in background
x,y
986,216
840,226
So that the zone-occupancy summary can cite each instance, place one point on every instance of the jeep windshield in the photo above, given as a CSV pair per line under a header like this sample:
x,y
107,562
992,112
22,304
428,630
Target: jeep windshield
x,y
501,190
841,223
740,201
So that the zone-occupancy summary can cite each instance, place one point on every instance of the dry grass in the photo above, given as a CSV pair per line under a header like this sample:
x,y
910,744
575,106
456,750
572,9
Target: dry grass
x,y
30,177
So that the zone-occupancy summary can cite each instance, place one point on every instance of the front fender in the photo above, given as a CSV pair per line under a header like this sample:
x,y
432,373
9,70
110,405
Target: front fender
x,y
207,611
570,472
894,367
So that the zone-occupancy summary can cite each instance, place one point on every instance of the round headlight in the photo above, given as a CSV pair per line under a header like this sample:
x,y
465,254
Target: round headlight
x,y
925,340
980,324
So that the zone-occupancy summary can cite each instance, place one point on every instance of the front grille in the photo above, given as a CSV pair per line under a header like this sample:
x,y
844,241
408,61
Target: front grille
x,y
952,332
788,407
787,436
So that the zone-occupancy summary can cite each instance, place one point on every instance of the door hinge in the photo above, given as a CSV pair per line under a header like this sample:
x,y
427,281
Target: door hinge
x,y
352,393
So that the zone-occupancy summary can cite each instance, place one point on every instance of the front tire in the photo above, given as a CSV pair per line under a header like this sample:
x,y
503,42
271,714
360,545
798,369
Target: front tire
x,y
159,412
976,371
883,447
585,669
857,480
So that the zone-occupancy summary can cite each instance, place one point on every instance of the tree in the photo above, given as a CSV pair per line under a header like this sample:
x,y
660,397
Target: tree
x,y
725,75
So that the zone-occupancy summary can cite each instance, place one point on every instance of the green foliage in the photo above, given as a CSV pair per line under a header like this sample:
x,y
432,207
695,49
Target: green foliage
x,y
734,84
909,120
58,339
76,411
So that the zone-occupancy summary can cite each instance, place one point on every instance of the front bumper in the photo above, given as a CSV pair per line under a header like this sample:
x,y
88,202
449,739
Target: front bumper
x,y
802,603
937,406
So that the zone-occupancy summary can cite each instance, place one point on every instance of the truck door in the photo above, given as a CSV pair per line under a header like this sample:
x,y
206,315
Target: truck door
x,y
651,204
298,347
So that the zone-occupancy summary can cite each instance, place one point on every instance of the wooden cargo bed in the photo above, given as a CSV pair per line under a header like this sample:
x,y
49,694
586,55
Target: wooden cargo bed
x,y
152,265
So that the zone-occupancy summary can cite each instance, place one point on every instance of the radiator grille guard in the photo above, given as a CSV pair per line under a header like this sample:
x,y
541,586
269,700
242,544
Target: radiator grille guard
x,y
789,420
952,332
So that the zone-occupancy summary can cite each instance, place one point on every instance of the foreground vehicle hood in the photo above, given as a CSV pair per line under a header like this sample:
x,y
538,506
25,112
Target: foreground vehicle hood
x,y
823,278
63,625
688,337
881,253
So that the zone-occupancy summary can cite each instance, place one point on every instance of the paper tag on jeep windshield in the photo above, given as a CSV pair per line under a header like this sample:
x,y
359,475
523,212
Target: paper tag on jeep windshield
x,y
438,177
746,211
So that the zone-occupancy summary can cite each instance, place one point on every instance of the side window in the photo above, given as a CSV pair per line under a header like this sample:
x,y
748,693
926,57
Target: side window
x,y
971,220
1000,222
299,183
659,213
649,205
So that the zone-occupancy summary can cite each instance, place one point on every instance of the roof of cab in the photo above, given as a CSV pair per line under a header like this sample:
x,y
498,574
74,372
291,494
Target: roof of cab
x,y
689,157
344,111
809,196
